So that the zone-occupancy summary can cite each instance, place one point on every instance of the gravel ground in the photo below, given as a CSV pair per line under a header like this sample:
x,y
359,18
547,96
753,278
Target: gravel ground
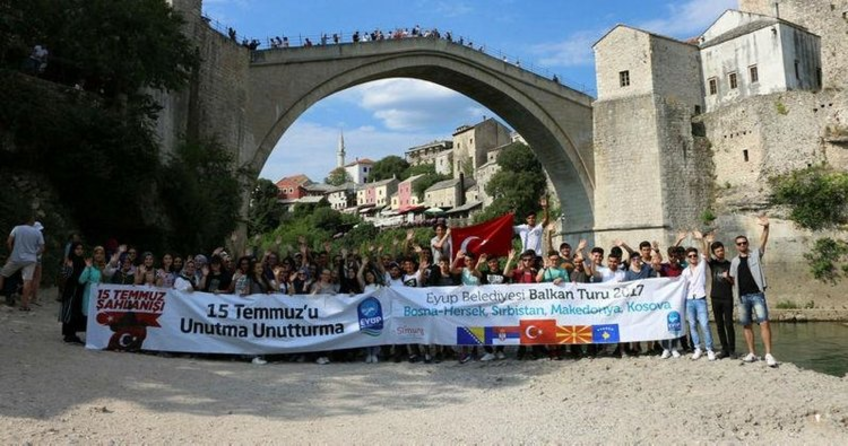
x,y
58,393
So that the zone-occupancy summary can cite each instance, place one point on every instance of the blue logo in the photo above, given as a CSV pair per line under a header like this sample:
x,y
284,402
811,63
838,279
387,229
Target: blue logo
x,y
674,323
605,334
370,314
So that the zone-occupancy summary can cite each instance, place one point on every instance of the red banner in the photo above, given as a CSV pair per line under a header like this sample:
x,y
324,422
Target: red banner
x,y
493,237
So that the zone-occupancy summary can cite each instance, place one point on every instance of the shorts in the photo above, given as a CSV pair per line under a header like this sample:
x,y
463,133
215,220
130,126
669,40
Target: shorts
x,y
756,303
26,268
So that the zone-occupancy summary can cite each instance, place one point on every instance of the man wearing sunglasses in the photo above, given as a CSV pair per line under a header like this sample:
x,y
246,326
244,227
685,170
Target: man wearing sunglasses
x,y
749,281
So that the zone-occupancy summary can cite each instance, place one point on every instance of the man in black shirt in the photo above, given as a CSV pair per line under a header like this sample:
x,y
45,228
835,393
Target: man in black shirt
x,y
493,275
721,295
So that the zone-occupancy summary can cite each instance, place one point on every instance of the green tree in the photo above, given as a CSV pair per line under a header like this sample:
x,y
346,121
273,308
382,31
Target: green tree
x,y
337,177
425,182
202,195
265,210
519,183
389,167
817,198
119,47
420,169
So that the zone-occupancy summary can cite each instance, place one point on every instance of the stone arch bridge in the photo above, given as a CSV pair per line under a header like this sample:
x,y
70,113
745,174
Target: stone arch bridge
x,y
554,119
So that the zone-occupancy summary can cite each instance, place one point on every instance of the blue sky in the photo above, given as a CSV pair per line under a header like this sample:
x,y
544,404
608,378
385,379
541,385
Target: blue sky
x,y
389,116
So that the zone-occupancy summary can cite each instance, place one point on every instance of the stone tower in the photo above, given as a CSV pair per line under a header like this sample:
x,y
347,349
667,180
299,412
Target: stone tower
x,y
340,153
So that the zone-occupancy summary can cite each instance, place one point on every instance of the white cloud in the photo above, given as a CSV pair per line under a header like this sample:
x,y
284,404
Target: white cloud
x,y
574,51
689,18
411,105
310,148
682,20
453,9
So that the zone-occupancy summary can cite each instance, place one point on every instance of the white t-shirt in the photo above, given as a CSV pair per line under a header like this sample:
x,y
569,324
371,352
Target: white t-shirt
x,y
608,275
696,280
412,280
531,237
445,251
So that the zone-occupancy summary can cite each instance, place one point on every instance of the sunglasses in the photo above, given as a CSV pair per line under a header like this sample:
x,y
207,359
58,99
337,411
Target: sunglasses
x,y
741,243
693,256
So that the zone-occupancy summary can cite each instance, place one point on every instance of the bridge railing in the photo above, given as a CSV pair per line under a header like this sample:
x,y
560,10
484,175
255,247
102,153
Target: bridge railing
x,y
342,37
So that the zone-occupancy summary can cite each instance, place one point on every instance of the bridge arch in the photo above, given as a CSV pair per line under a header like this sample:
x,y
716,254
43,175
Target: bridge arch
x,y
555,120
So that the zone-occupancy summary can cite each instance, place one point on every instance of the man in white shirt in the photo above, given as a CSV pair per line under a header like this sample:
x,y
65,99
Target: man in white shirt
x,y
695,276
531,233
26,243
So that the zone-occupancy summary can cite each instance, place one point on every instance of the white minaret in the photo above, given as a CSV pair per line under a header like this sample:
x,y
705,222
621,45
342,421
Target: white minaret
x,y
340,153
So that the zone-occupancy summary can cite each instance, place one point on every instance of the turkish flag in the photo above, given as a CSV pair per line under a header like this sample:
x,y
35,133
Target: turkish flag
x,y
493,237
538,331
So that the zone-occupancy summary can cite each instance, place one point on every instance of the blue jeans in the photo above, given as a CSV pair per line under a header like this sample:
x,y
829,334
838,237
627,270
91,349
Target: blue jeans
x,y
696,311
753,303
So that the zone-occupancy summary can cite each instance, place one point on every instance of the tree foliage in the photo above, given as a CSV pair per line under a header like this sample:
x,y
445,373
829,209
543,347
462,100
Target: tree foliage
x,y
202,196
115,47
817,196
518,185
265,211
337,177
389,167
825,257
425,182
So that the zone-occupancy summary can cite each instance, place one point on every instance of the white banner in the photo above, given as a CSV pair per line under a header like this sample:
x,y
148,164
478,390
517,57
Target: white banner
x,y
570,313
132,318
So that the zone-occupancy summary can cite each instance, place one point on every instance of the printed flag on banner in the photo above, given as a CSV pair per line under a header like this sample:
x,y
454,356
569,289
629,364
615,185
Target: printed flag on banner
x,y
538,331
574,334
492,237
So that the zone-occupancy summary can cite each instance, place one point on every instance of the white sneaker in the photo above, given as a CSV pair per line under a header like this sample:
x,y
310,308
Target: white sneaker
x,y
674,353
697,354
750,357
711,355
500,356
258,361
322,360
375,359
770,360
488,357
665,354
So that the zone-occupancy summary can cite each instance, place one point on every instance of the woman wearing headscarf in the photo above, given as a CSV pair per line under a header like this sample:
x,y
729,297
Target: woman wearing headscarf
x,y
72,315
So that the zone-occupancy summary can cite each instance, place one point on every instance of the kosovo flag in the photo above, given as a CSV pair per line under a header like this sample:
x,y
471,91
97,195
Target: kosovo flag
x,y
605,334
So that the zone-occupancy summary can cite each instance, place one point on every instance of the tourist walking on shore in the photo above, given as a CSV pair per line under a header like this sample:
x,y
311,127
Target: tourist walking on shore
x,y
25,242
749,281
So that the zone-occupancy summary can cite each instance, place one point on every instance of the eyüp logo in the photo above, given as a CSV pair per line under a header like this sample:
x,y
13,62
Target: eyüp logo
x,y
674,323
370,314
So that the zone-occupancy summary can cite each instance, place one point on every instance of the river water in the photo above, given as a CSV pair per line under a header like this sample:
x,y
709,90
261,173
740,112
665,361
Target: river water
x,y
819,346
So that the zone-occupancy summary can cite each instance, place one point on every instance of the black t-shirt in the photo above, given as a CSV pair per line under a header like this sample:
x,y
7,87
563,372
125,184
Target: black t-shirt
x,y
721,287
747,285
218,282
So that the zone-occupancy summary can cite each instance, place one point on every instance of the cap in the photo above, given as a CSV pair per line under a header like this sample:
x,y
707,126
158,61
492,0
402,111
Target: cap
x,y
38,226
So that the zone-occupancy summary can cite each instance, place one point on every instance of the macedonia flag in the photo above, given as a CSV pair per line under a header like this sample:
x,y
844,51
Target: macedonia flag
x,y
574,334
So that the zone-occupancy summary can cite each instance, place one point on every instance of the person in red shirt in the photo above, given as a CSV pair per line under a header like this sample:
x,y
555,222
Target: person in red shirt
x,y
525,271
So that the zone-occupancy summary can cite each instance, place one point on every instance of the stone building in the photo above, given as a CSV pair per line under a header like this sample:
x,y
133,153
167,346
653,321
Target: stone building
x,y
471,143
292,187
745,54
649,86
429,153
447,194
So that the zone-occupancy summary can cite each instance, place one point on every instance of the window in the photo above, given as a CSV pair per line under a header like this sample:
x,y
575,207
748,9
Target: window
x,y
818,77
713,86
745,155
697,109
797,70
733,82
755,75
624,78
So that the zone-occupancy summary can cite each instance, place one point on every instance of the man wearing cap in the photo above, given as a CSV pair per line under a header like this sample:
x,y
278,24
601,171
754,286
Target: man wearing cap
x,y
26,242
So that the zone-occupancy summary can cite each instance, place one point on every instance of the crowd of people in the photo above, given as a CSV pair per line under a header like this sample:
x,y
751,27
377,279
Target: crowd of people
x,y
306,271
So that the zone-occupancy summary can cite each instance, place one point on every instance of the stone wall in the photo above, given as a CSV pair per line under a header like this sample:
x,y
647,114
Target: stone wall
x,y
623,49
825,18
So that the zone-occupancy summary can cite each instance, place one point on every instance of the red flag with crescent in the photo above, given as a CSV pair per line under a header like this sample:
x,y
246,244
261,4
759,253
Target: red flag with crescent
x,y
538,331
492,237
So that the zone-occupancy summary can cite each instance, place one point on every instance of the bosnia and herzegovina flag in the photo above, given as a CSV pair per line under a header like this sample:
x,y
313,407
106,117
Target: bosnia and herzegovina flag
x,y
488,336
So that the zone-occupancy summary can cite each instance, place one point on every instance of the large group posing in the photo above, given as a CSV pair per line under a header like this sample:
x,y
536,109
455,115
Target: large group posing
x,y
305,271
